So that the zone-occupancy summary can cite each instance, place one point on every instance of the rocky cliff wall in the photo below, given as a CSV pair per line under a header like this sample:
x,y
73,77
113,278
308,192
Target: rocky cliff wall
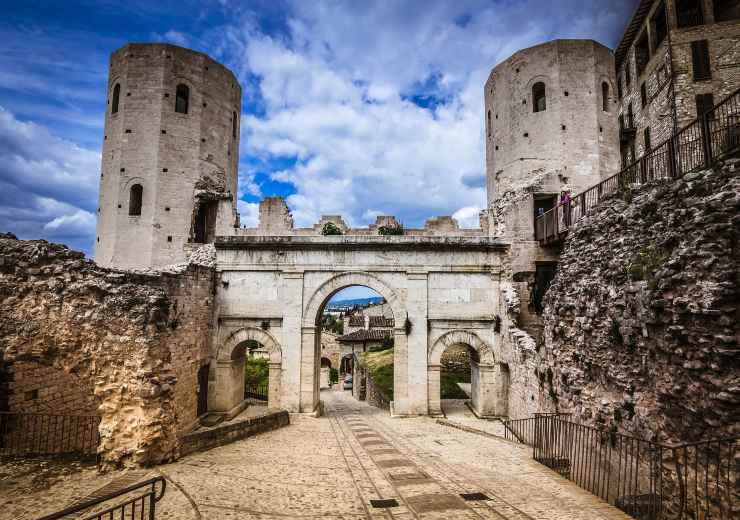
x,y
131,343
641,321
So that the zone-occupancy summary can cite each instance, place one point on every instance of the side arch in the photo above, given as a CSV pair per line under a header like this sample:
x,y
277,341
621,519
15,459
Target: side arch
x,y
457,337
315,305
250,334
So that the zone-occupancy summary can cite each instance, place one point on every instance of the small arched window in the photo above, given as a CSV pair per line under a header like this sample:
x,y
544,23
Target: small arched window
x,y
539,97
605,96
489,126
182,99
233,124
134,199
114,99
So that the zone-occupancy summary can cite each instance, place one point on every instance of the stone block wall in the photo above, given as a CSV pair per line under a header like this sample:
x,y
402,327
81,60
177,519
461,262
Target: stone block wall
x,y
123,345
641,322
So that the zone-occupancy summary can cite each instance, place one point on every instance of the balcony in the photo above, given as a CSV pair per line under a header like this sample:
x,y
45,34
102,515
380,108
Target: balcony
x,y
627,128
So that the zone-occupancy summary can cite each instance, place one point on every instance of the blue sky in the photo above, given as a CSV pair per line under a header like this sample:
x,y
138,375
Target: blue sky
x,y
359,108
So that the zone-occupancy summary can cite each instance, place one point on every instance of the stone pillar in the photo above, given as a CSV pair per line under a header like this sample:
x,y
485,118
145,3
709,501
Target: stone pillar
x,y
291,294
228,391
435,401
410,392
502,389
309,380
484,392
273,392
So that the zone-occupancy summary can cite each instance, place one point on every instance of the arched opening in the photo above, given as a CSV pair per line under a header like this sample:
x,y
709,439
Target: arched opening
x,y
115,99
135,198
248,372
539,97
605,96
364,325
461,375
182,98
455,377
204,227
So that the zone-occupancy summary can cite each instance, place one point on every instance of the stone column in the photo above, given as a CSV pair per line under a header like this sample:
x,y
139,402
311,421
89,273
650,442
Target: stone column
x,y
484,399
228,390
273,392
410,392
435,402
291,295
309,380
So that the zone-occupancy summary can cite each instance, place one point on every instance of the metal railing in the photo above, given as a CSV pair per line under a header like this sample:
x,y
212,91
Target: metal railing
x,y
648,480
48,434
256,391
698,145
141,506
522,430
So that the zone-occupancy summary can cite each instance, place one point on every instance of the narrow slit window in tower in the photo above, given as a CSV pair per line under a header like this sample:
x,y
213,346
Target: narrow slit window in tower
x,y
182,99
136,194
539,97
115,98
605,96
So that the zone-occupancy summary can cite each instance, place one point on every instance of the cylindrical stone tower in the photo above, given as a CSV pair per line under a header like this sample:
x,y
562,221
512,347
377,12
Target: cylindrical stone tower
x,y
170,155
550,116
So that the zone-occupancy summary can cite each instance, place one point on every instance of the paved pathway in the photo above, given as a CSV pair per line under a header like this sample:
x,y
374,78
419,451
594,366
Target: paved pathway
x,y
335,467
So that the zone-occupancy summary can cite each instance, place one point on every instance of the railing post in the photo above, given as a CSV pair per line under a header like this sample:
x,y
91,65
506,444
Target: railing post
x,y
706,140
672,158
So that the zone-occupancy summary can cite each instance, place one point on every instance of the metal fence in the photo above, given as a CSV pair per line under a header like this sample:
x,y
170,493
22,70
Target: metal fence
x,y
648,480
48,434
139,506
698,145
256,391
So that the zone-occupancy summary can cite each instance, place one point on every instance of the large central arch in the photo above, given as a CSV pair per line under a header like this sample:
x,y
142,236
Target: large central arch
x,y
311,333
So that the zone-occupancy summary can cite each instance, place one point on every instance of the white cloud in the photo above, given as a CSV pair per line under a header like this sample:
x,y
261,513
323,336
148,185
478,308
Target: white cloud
x,y
335,89
249,213
468,217
78,224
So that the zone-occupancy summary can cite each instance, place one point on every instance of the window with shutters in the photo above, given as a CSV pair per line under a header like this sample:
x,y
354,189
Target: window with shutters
x,y
642,53
726,10
704,103
646,137
659,25
689,13
182,99
700,60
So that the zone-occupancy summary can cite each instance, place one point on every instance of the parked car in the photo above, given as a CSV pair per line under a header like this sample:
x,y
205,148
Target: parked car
x,y
347,384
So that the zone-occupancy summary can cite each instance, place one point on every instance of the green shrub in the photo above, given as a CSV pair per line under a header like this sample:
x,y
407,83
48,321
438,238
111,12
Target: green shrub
x,y
256,371
330,228
391,230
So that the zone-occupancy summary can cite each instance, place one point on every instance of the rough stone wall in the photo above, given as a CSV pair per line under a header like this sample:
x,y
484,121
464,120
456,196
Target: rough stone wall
x,y
641,322
38,388
133,340
168,153
330,348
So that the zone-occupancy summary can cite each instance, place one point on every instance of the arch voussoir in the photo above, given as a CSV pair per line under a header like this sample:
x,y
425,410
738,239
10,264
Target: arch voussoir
x,y
250,334
457,337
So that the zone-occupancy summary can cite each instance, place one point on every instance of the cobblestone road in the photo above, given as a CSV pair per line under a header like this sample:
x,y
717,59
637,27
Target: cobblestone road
x,y
336,467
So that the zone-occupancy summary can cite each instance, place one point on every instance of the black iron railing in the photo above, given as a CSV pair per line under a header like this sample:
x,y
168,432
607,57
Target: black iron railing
x,y
142,505
698,145
648,480
48,434
256,391
522,430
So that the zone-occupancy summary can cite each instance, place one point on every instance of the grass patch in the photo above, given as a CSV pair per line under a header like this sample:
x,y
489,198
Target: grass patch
x,y
448,388
256,371
380,366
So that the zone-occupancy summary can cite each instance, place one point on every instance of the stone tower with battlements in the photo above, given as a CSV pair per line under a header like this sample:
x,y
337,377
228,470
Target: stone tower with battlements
x,y
168,180
550,116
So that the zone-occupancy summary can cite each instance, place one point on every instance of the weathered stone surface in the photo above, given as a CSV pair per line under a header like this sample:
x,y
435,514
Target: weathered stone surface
x,y
641,322
87,340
